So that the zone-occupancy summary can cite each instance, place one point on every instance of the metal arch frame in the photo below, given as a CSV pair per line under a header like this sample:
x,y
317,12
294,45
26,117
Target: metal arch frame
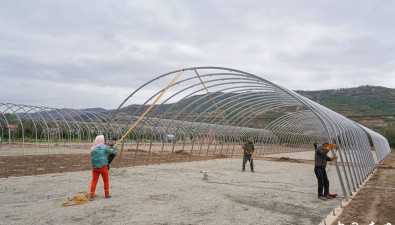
x,y
344,129
365,157
338,130
183,98
203,103
242,114
278,129
62,119
341,128
159,92
191,94
96,121
7,125
72,129
44,111
78,113
43,124
329,126
322,112
34,124
117,131
156,94
63,122
378,140
2,132
244,97
177,83
163,75
301,118
89,123
9,129
204,111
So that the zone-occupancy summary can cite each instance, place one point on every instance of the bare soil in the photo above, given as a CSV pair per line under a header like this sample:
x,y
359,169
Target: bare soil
x,y
376,199
374,202
28,165
288,159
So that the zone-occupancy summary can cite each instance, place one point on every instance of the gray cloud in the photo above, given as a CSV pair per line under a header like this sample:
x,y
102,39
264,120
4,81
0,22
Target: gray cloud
x,y
87,54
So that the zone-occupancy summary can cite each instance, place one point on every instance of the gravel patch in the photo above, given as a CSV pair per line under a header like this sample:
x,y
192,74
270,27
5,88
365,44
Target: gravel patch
x,y
277,193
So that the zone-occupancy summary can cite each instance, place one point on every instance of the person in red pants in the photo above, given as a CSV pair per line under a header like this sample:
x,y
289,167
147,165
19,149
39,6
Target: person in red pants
x,y
99,152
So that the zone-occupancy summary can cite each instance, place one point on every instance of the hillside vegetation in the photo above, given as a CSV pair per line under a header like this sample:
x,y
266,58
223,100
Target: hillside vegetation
x,y
371,106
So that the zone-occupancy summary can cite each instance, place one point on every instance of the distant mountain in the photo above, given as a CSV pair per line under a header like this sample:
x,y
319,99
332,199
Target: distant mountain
x,y
371,106
363,101
94,110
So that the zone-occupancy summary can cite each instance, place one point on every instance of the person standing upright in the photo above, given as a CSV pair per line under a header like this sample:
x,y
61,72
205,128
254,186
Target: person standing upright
x,y
99,159
321,157
111,156
249,148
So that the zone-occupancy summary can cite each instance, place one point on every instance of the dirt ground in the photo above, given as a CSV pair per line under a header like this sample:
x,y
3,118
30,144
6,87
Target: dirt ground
x,y
15,166
374,202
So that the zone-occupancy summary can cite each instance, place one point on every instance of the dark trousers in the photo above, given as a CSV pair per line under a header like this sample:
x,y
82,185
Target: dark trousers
x,y
110,157
323,182
248,158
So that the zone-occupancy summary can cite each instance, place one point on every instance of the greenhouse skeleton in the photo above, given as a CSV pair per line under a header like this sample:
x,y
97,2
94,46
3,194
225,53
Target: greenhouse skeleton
x,y
207,112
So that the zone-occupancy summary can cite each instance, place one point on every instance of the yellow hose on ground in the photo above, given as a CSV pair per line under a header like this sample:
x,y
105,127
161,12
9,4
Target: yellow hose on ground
x,y
84,198
78,199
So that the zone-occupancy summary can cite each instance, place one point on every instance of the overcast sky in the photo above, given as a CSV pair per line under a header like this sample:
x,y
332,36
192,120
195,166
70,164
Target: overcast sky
x,y
81,54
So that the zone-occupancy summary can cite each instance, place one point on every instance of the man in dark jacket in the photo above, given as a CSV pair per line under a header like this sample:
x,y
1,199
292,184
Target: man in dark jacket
x,y
249,148
111,156
321,159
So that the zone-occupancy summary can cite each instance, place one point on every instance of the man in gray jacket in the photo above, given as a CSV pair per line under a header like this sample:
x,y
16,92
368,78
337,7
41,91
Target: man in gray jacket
x,y
321,157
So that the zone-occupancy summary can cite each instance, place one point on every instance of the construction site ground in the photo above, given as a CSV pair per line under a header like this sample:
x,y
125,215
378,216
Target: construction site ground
x,y
281,191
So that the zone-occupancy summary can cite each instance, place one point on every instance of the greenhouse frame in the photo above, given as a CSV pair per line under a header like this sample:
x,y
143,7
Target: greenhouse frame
x,y
202,113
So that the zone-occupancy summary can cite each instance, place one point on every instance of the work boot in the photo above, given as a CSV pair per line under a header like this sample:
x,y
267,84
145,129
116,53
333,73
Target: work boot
x,y
328,197
322,198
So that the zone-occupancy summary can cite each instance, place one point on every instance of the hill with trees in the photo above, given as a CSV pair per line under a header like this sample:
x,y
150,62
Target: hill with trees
x,y
371,106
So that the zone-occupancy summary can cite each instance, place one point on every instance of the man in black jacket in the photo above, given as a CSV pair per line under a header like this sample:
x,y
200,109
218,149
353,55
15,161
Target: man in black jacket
x,y
110,157
321,159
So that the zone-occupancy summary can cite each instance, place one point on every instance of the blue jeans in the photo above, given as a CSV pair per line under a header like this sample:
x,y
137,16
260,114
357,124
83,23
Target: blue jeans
x,y
248,158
